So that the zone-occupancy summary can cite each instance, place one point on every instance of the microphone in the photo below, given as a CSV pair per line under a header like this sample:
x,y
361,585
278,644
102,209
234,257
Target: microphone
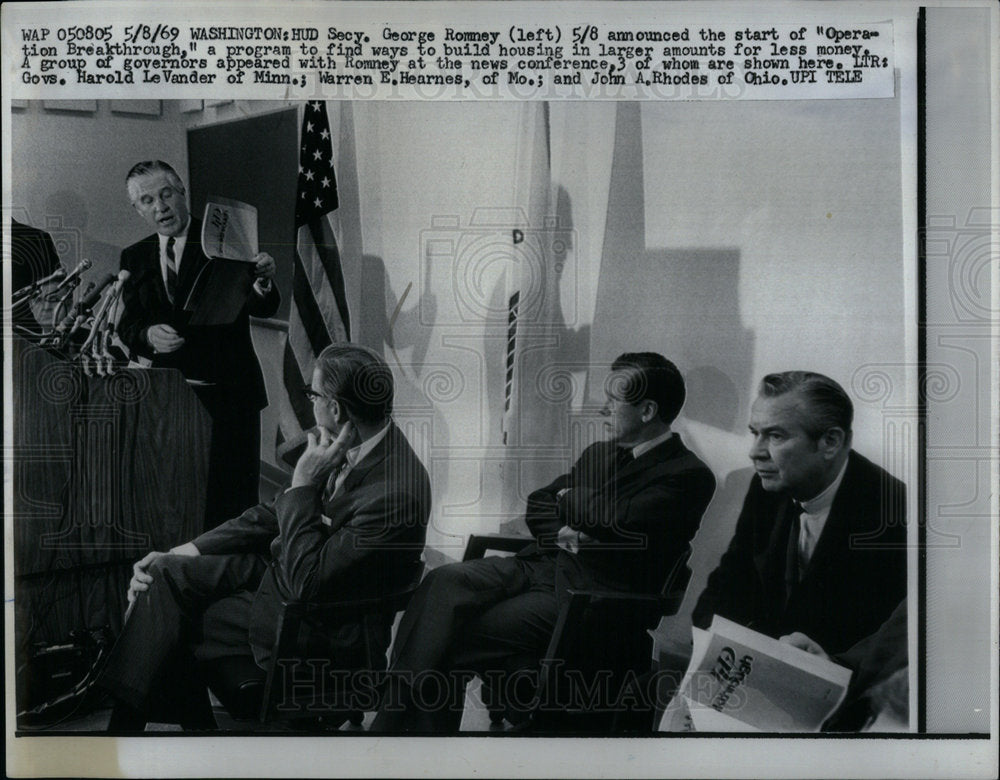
x,y
78,313
32,289
101,315
123,276
73,275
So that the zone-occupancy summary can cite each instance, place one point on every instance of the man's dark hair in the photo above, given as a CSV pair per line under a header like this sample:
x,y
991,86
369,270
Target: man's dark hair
x,y
359,379
827,403
154,166
655,378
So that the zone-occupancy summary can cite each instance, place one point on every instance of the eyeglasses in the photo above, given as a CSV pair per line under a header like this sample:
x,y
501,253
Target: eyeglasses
x,y
312,395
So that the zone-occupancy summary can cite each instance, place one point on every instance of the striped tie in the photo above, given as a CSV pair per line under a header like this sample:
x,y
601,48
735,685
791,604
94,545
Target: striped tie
x,y
171,269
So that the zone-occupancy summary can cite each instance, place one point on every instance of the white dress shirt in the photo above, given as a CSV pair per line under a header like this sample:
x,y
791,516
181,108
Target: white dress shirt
x,y
815,512
353,456
646,446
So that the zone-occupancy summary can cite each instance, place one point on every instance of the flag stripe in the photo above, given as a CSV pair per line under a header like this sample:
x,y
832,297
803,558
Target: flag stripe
x,y
299,342
295,385
313,259
312,319
325,239
319,312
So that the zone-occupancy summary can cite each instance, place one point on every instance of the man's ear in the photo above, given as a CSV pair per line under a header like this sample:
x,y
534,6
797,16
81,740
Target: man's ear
x,y
833,441
649,410
339,411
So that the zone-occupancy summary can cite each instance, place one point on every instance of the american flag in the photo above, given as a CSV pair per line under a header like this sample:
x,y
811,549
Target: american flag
x,y
319,313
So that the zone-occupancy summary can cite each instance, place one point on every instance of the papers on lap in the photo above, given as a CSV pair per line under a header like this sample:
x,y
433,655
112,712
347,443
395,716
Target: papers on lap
x,y
740,680
229,239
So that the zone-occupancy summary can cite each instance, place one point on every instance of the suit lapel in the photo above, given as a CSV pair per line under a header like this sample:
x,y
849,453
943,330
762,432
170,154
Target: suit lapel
x,y
833,539
192,261
661,453
357,474
771,561
153,269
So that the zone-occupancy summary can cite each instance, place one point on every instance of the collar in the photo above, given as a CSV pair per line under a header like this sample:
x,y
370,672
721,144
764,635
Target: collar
x,y
358,453
643,447
822,502
180,238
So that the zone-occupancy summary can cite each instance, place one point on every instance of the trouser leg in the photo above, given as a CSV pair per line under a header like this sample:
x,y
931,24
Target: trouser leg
x,y
162,618
233,483
504,645
445,600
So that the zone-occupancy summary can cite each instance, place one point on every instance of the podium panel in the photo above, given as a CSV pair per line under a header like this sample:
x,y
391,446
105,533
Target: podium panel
x,y
105,469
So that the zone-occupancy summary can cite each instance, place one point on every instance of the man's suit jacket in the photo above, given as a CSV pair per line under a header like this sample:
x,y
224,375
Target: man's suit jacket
x,y
219,354
856,576
640,516
371,545
33,257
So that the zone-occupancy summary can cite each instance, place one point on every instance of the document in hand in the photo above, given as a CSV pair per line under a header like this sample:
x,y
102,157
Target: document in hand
x,y
740,680
229,239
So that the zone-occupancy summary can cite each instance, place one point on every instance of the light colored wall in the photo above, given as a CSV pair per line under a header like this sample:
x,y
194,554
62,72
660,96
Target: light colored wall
x,y
718,251
69,172
756,237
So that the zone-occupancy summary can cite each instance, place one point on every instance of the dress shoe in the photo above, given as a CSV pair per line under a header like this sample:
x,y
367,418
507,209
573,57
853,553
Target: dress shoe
x,y
82,698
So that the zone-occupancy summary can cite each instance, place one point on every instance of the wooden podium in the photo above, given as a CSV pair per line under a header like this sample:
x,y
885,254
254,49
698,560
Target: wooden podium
x,y
105,469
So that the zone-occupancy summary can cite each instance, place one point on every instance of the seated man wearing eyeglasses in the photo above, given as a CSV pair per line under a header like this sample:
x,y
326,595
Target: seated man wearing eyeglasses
x,y
351,524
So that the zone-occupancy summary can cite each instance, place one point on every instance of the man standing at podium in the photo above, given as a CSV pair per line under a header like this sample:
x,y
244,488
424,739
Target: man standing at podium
x,y
217,360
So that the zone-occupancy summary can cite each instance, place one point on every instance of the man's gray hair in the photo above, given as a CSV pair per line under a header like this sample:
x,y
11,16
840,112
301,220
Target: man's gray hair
x,y
155,166
358,378
829,406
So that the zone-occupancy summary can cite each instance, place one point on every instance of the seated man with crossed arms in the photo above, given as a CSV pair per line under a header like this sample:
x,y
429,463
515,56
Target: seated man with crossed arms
x,y
619,520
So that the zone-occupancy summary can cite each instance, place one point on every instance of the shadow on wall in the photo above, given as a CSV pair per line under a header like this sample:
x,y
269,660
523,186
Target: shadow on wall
x,y
66,219
422,388
683,303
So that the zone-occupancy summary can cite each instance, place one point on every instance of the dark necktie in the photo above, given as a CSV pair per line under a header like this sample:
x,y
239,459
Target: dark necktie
x,y
171,269
331,483
792,554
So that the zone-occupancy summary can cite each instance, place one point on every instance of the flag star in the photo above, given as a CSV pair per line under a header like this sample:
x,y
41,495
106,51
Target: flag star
x,y
300,169
309,175
325,134
317,155
325,182
317,203
314,105
309,127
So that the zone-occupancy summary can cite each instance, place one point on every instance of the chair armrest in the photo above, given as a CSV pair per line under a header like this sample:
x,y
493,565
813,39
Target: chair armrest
x,y
480,543
293,613
609,598
347,608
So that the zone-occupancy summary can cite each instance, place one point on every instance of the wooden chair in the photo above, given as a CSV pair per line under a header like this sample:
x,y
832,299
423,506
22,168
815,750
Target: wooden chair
x,y
267,695
596,633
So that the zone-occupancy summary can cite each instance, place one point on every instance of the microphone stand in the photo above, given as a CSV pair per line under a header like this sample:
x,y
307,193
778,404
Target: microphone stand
x,y
51,337
97,327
